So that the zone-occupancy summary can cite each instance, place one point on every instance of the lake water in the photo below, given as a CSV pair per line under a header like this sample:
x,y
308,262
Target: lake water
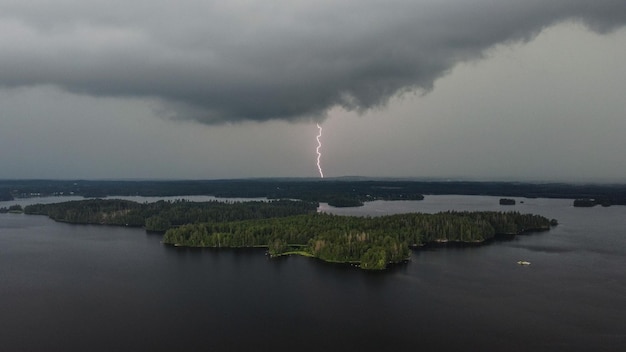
x,y
91,288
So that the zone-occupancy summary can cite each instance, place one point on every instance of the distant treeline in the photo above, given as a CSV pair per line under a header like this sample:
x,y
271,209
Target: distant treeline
x,y
5,195
16,208
340,192
370,242
162,215
507,201
587,203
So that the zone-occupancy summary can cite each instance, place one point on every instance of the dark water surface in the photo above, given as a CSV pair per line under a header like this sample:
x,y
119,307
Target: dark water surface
x,y
89,288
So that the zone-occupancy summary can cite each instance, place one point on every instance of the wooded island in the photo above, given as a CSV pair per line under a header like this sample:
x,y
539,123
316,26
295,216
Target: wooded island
x,y
294,227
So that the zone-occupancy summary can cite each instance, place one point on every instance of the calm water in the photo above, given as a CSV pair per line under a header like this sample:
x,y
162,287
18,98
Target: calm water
x,y
89,288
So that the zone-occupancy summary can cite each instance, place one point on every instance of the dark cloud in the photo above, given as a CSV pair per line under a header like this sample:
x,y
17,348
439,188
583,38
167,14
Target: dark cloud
x,y
230,61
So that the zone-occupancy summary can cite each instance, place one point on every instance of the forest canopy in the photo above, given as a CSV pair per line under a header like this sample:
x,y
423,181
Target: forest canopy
x,y
371,242
162,215
294,227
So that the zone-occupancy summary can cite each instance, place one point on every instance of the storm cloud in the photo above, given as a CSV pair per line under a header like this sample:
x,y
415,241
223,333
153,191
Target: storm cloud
x,y
229,61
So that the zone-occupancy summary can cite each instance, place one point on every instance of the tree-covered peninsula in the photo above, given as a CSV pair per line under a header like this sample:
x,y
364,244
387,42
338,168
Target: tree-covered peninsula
x,y
294,227
370,242
162,215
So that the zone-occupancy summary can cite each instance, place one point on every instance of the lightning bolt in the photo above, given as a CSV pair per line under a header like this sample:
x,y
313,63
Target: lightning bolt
x,y
317,150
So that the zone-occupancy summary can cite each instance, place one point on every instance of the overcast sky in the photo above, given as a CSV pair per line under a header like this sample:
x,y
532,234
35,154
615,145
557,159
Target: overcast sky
x,y
462,89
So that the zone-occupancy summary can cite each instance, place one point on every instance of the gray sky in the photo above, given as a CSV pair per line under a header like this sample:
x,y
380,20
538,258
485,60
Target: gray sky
x,y
516,90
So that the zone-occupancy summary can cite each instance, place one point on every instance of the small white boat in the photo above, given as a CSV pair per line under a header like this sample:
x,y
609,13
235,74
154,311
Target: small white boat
x,y
523,262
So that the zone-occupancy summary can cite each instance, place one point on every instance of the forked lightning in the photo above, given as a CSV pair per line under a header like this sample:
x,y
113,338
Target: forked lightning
x,y
319,155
